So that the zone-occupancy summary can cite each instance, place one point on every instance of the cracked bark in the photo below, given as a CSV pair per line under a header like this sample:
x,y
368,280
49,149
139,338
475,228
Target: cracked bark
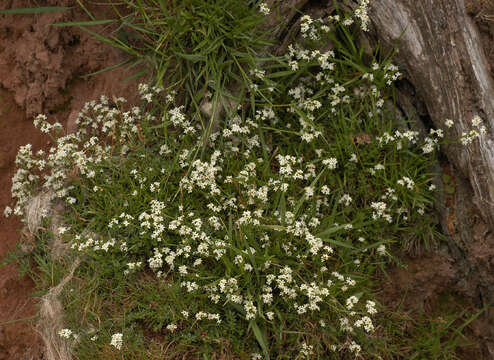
x,y
440,48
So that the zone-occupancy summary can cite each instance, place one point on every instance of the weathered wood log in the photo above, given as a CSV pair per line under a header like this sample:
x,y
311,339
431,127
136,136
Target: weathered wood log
x,y
440,49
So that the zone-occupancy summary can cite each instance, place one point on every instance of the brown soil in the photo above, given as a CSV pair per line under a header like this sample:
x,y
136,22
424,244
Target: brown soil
x,y
41,71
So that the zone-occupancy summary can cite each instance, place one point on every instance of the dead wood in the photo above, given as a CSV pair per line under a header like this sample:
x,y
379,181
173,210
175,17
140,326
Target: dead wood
x,y
440,48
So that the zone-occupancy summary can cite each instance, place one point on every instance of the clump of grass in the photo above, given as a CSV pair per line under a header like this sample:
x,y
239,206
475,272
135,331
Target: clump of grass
x,y
258,241
420,335
197,46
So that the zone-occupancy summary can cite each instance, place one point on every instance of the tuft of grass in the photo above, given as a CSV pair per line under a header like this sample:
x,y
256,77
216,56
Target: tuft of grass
x,y
419,335
195,46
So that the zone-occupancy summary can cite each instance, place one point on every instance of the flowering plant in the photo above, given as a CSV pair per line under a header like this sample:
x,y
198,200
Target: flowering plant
x,y
263,233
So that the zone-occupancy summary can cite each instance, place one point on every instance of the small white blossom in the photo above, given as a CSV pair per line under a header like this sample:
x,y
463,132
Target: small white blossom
x,y
264,9
117,340
7,211
65,333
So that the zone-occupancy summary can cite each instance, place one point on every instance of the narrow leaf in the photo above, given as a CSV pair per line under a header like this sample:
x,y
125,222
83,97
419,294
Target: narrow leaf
x,y
260,339
83,23
38,10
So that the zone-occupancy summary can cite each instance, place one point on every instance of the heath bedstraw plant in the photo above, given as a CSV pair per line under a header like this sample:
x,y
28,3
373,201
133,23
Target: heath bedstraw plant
x,y
264,237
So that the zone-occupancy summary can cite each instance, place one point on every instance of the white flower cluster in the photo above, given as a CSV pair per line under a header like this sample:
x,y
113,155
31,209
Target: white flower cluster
x,y
406,181
74,154
468,137
117,340
65,333
380,211
41,122
361,13
264,9
148,93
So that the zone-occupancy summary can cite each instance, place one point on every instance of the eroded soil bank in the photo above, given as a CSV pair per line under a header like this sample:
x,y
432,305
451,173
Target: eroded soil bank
x,y
42,70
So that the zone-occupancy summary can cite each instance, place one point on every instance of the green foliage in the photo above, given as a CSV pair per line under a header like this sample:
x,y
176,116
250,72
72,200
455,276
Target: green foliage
x,y
196,45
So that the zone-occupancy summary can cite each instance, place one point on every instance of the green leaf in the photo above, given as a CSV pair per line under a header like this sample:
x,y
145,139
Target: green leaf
x,y
303,198
273,227
38,10
339,243
83,23
261,339
279,74
330,231
192,57
107,68
282,207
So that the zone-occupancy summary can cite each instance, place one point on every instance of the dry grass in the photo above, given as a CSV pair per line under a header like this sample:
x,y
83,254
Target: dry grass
x,y
36,208
51,311
51,321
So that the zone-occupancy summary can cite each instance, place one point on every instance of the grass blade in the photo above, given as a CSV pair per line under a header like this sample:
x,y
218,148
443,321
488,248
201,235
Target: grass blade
x,y
38,10
108,68
261,339
83,23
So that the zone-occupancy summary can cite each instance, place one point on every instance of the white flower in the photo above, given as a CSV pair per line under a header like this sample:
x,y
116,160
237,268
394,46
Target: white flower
x,y
260,75
65,333
406,181
306,350
428,146
248,267
371,307
476,121
250,310
381,250
264,9
7,211
171,327
117,340
347,22
62,230
331,163
325,190
449,123
351,301
347,199
366,323
355,348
